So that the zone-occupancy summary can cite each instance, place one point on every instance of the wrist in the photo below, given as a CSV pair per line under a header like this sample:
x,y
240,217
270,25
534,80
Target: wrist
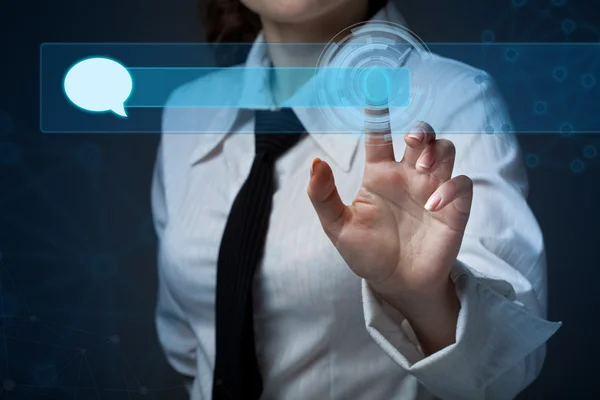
x,y
423,304
433,315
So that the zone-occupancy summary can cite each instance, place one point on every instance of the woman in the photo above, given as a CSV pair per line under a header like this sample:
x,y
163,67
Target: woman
x,y
392,297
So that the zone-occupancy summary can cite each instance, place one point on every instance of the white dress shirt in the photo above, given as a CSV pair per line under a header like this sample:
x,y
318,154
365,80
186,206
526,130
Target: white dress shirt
x,y
321,333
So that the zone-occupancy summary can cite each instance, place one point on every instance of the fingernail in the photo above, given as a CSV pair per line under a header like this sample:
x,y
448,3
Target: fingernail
x,y
433,202
312,166
426,160
417,133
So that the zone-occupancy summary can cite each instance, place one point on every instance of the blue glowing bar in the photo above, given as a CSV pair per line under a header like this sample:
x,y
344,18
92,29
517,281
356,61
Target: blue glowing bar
x,y
241,87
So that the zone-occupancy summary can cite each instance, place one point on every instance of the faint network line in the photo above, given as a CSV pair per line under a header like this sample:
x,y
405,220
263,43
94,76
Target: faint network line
x,y
37,371
581,19
71,341
36,393
488,119
91,375
74,357
129,367
37,342
123,370
105,337
71,358
78,378
533,27
15,288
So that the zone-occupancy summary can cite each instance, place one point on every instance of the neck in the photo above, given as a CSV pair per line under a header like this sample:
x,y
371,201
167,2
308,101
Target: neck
x,y
308,38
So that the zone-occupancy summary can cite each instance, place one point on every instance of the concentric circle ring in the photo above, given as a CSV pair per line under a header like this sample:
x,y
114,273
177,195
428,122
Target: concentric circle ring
x,y
341,78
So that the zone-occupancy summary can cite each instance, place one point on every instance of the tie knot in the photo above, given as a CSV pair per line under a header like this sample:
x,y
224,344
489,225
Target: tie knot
x,y
276,131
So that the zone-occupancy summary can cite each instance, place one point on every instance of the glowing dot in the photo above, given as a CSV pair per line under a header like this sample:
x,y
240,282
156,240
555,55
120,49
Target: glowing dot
x,y
478,79
559,73
588,81
511,54
488,35
590,151
532,160
568,25
566,128
540,107
577,166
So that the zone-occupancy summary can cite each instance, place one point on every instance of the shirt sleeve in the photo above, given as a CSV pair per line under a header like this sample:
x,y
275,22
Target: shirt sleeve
x,y
500,273
173,329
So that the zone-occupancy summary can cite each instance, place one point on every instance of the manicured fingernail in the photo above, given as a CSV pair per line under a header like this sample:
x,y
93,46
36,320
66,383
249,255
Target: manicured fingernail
x,y
417,133
426,160
433,202
312,166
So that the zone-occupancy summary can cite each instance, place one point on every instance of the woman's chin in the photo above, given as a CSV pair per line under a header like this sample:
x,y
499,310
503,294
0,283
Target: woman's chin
x,y
292,11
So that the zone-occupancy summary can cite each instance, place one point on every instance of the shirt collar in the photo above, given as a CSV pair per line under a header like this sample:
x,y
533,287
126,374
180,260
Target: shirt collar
x,y
340,147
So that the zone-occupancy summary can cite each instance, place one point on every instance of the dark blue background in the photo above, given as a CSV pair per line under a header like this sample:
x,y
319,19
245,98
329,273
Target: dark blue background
x,y
78,270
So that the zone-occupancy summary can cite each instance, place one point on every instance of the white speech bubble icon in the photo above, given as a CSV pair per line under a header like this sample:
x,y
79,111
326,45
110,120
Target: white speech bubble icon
x,y
99,84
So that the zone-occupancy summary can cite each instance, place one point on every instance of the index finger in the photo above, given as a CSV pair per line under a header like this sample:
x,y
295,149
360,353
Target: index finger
x,y
378,143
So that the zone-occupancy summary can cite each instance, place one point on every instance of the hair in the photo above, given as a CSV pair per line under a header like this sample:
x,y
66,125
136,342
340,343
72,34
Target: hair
x,y
230,21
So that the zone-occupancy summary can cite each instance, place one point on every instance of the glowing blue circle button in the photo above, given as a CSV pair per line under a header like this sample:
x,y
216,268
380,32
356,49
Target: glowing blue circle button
x,y
375,86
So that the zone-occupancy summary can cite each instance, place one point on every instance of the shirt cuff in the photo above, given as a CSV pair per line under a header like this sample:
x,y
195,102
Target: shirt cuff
x,y
494,332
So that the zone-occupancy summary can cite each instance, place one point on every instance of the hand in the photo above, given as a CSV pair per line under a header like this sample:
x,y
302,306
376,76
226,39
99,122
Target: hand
x,y
403,231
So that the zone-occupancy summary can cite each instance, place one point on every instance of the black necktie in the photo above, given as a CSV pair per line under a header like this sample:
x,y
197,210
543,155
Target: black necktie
x,y
236,374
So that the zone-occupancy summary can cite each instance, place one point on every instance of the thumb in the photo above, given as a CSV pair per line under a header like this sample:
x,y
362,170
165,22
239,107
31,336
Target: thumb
x,y
323,194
